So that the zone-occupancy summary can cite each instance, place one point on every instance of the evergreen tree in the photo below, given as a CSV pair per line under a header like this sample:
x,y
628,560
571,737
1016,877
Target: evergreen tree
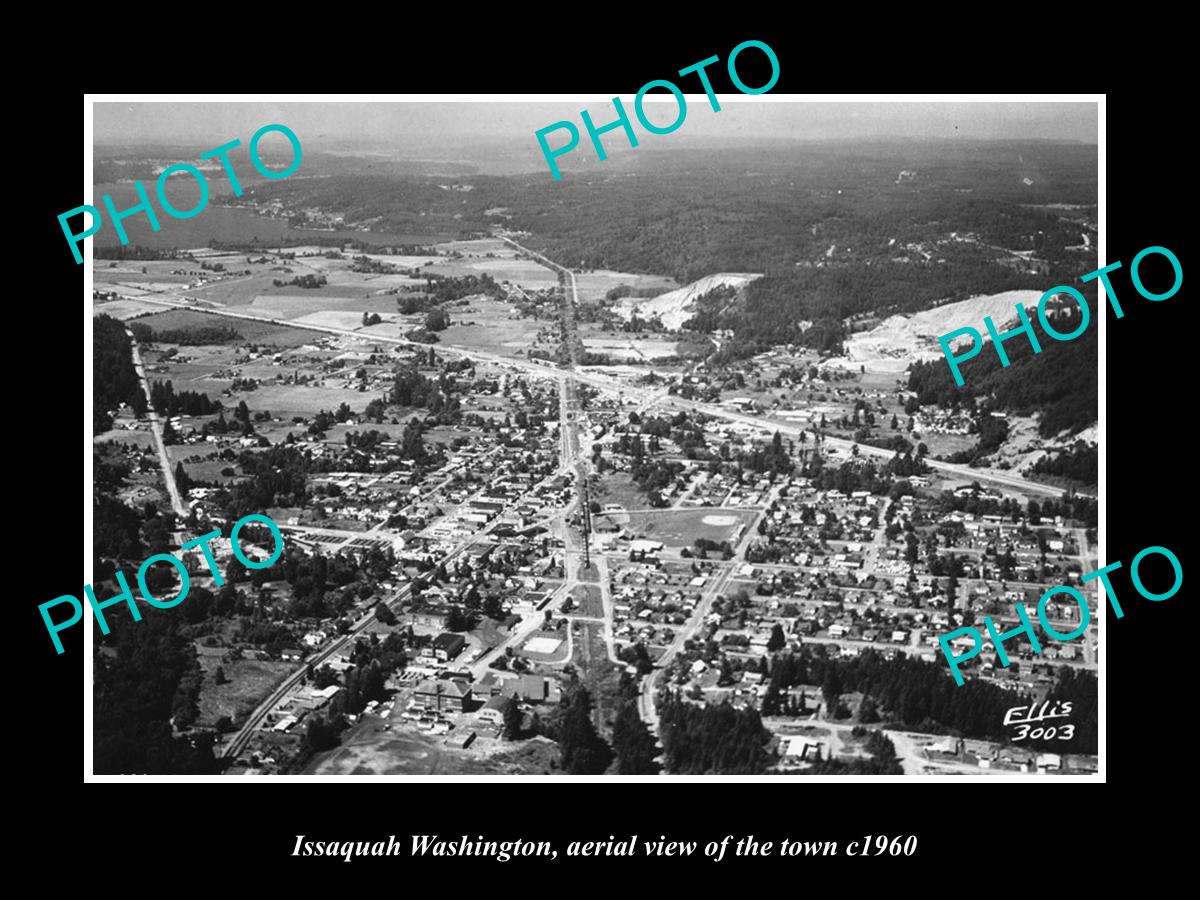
x,y
181,479
777,641
583,751
633,743
513,720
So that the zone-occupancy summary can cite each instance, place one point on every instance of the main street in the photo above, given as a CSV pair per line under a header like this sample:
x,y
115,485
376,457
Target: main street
x,y
574,462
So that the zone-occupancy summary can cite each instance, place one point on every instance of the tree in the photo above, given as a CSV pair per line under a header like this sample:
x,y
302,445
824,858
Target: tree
x,y
324,677
456,621
868,710
384,614
181,478
513,719
583,751
831,690
633,743
437,320
321,735
219,676
777,641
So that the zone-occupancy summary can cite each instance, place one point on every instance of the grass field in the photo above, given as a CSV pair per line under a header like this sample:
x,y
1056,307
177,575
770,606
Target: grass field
x,y
681,528
249,682
287,400
601,675
588,601
618,488
594,285
293,305
490,325
251,332
123,309
236,291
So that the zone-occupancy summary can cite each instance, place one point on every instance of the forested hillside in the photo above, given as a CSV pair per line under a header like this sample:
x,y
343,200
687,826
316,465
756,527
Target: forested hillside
x,y
695,212
114,379
1062,381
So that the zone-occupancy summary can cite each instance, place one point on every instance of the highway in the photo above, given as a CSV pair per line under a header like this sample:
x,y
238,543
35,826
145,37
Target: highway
x,y
571,460
645,395
164,461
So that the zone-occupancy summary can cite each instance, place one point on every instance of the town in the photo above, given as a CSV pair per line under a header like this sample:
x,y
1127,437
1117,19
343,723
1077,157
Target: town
x,y
521,536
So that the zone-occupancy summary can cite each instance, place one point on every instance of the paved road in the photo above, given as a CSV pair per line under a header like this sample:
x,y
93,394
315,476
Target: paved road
x,y
239,740
968,474
164,461
571,458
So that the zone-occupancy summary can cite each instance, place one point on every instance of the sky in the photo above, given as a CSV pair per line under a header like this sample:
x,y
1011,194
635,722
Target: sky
x,y
209,124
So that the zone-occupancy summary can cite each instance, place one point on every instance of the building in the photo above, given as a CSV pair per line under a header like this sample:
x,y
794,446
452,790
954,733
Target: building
x,y
439,695
430,617
312,698
532,688
495,709
448,646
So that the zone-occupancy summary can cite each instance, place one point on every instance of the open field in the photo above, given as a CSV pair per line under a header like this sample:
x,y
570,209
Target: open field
x,y
156,277
287,400
295,305
372,751
369,750
587,601
123,309
136,438
478,247
249,682
680,528
601,675
628,347
595,284
251,332
493,326
618,488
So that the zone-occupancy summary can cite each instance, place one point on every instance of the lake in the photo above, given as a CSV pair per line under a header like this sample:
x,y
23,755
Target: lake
x,y
216,222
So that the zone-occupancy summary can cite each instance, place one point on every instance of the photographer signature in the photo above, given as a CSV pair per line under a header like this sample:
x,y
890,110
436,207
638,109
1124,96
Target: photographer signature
x,y
1024,718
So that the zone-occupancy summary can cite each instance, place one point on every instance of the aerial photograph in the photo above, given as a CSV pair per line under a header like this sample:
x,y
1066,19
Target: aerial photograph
x,y
654,468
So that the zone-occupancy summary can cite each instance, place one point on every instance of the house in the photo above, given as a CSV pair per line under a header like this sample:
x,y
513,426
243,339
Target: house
x,y
454,695
431,617
496,709
947,746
